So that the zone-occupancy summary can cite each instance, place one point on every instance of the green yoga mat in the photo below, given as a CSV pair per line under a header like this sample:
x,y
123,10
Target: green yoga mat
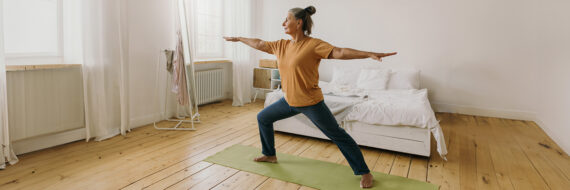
x,y
309,172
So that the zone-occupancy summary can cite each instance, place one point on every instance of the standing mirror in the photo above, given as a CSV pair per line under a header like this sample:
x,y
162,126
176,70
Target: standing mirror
x,y
186,31
183,52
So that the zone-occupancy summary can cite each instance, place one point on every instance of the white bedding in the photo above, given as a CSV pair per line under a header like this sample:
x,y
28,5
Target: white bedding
x,y
378,107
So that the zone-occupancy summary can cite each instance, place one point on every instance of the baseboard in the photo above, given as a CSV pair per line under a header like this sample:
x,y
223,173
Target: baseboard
x,y
556,137
486,112
47,141
144,120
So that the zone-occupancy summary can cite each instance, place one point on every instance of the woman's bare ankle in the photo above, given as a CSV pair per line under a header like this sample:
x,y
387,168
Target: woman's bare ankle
x,y
367,181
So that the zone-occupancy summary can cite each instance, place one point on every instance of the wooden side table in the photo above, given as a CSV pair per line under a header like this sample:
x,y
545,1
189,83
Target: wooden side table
x,y
265,79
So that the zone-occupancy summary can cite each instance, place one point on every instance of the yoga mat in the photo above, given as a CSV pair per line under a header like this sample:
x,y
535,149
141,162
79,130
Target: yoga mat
x,y
309,172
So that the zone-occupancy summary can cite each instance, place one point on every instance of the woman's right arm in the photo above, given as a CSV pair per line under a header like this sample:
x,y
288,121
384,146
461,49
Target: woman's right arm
x,y
251,42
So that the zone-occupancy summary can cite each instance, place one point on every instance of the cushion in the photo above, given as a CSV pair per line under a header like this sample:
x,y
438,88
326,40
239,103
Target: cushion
x,y
373,79
345,76
404,79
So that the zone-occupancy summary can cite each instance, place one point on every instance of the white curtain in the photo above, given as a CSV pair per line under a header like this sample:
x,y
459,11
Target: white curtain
x,y
105,68
238,22
6,153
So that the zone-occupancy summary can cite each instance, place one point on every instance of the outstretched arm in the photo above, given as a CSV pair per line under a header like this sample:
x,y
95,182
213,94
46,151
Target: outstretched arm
x,y
347,53
251,42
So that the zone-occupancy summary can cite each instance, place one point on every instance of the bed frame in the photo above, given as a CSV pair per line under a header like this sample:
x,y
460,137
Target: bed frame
x,y
406,139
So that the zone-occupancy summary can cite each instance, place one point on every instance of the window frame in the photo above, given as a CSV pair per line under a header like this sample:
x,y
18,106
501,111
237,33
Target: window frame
x,y
195,28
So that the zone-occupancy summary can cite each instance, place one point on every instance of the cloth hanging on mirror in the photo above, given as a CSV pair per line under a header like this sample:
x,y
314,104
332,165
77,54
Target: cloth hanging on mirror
x,y
179,73
169,54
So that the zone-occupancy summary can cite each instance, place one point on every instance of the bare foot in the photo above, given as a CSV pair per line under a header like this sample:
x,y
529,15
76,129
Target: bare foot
x,y
367,180
270,159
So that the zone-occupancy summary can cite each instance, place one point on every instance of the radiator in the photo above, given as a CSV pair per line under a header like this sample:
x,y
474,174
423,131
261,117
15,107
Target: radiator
x,y
209,86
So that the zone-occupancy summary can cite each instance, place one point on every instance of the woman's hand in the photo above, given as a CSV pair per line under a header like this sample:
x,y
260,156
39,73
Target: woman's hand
x,y
378,56
251,42
232,39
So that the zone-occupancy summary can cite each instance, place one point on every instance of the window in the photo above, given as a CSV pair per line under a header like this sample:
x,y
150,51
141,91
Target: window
x,y
208,29
32,29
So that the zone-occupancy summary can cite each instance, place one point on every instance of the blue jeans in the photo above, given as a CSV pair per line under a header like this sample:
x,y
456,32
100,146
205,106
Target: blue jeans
x,y
322,117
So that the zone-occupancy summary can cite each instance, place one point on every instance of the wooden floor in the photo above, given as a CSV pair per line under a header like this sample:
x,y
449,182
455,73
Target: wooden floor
x,y
484,153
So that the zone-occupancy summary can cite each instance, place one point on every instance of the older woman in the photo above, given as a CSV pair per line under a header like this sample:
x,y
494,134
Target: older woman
x,y
299,60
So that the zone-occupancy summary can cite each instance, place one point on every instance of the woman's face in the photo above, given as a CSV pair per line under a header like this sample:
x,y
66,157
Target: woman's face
x,y
291,25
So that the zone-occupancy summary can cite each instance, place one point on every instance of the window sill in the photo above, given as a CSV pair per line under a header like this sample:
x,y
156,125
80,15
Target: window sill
x,y
40,67
215,60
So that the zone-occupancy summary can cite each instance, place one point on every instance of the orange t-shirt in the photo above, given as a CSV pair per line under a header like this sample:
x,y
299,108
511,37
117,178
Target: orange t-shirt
x,y
298,65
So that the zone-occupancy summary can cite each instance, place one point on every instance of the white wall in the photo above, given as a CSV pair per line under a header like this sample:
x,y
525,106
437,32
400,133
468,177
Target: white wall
x,y
476,57
552,21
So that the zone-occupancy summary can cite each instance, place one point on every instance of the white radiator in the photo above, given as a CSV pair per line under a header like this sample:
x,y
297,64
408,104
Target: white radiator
x,y
209,86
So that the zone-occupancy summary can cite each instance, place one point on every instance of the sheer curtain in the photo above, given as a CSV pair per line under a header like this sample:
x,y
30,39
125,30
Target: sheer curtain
x,y
6,153
238,22
105,68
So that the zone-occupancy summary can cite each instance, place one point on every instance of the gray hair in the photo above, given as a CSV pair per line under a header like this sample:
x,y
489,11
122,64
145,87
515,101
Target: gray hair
x,y
305,15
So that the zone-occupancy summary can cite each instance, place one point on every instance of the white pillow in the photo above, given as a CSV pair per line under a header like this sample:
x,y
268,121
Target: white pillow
x,y
373,79
404,79
345,76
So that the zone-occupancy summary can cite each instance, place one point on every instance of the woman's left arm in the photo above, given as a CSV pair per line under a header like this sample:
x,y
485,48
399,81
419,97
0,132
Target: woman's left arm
x,y
348,53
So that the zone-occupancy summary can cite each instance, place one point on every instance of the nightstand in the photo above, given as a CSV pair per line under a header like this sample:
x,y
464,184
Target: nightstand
x,y
265,79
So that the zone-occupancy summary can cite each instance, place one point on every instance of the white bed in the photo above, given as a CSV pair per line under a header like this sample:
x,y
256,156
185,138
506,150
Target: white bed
x,y
398,120
407,139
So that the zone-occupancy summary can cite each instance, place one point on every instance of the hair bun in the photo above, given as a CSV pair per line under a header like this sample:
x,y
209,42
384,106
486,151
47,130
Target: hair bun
x,y
311,10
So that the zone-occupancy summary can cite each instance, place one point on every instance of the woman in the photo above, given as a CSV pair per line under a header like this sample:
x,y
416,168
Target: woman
x,y
299,60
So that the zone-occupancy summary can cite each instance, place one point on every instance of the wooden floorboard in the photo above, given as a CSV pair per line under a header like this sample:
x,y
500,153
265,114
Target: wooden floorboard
x,y
486,175
484,153
418,168
467,153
